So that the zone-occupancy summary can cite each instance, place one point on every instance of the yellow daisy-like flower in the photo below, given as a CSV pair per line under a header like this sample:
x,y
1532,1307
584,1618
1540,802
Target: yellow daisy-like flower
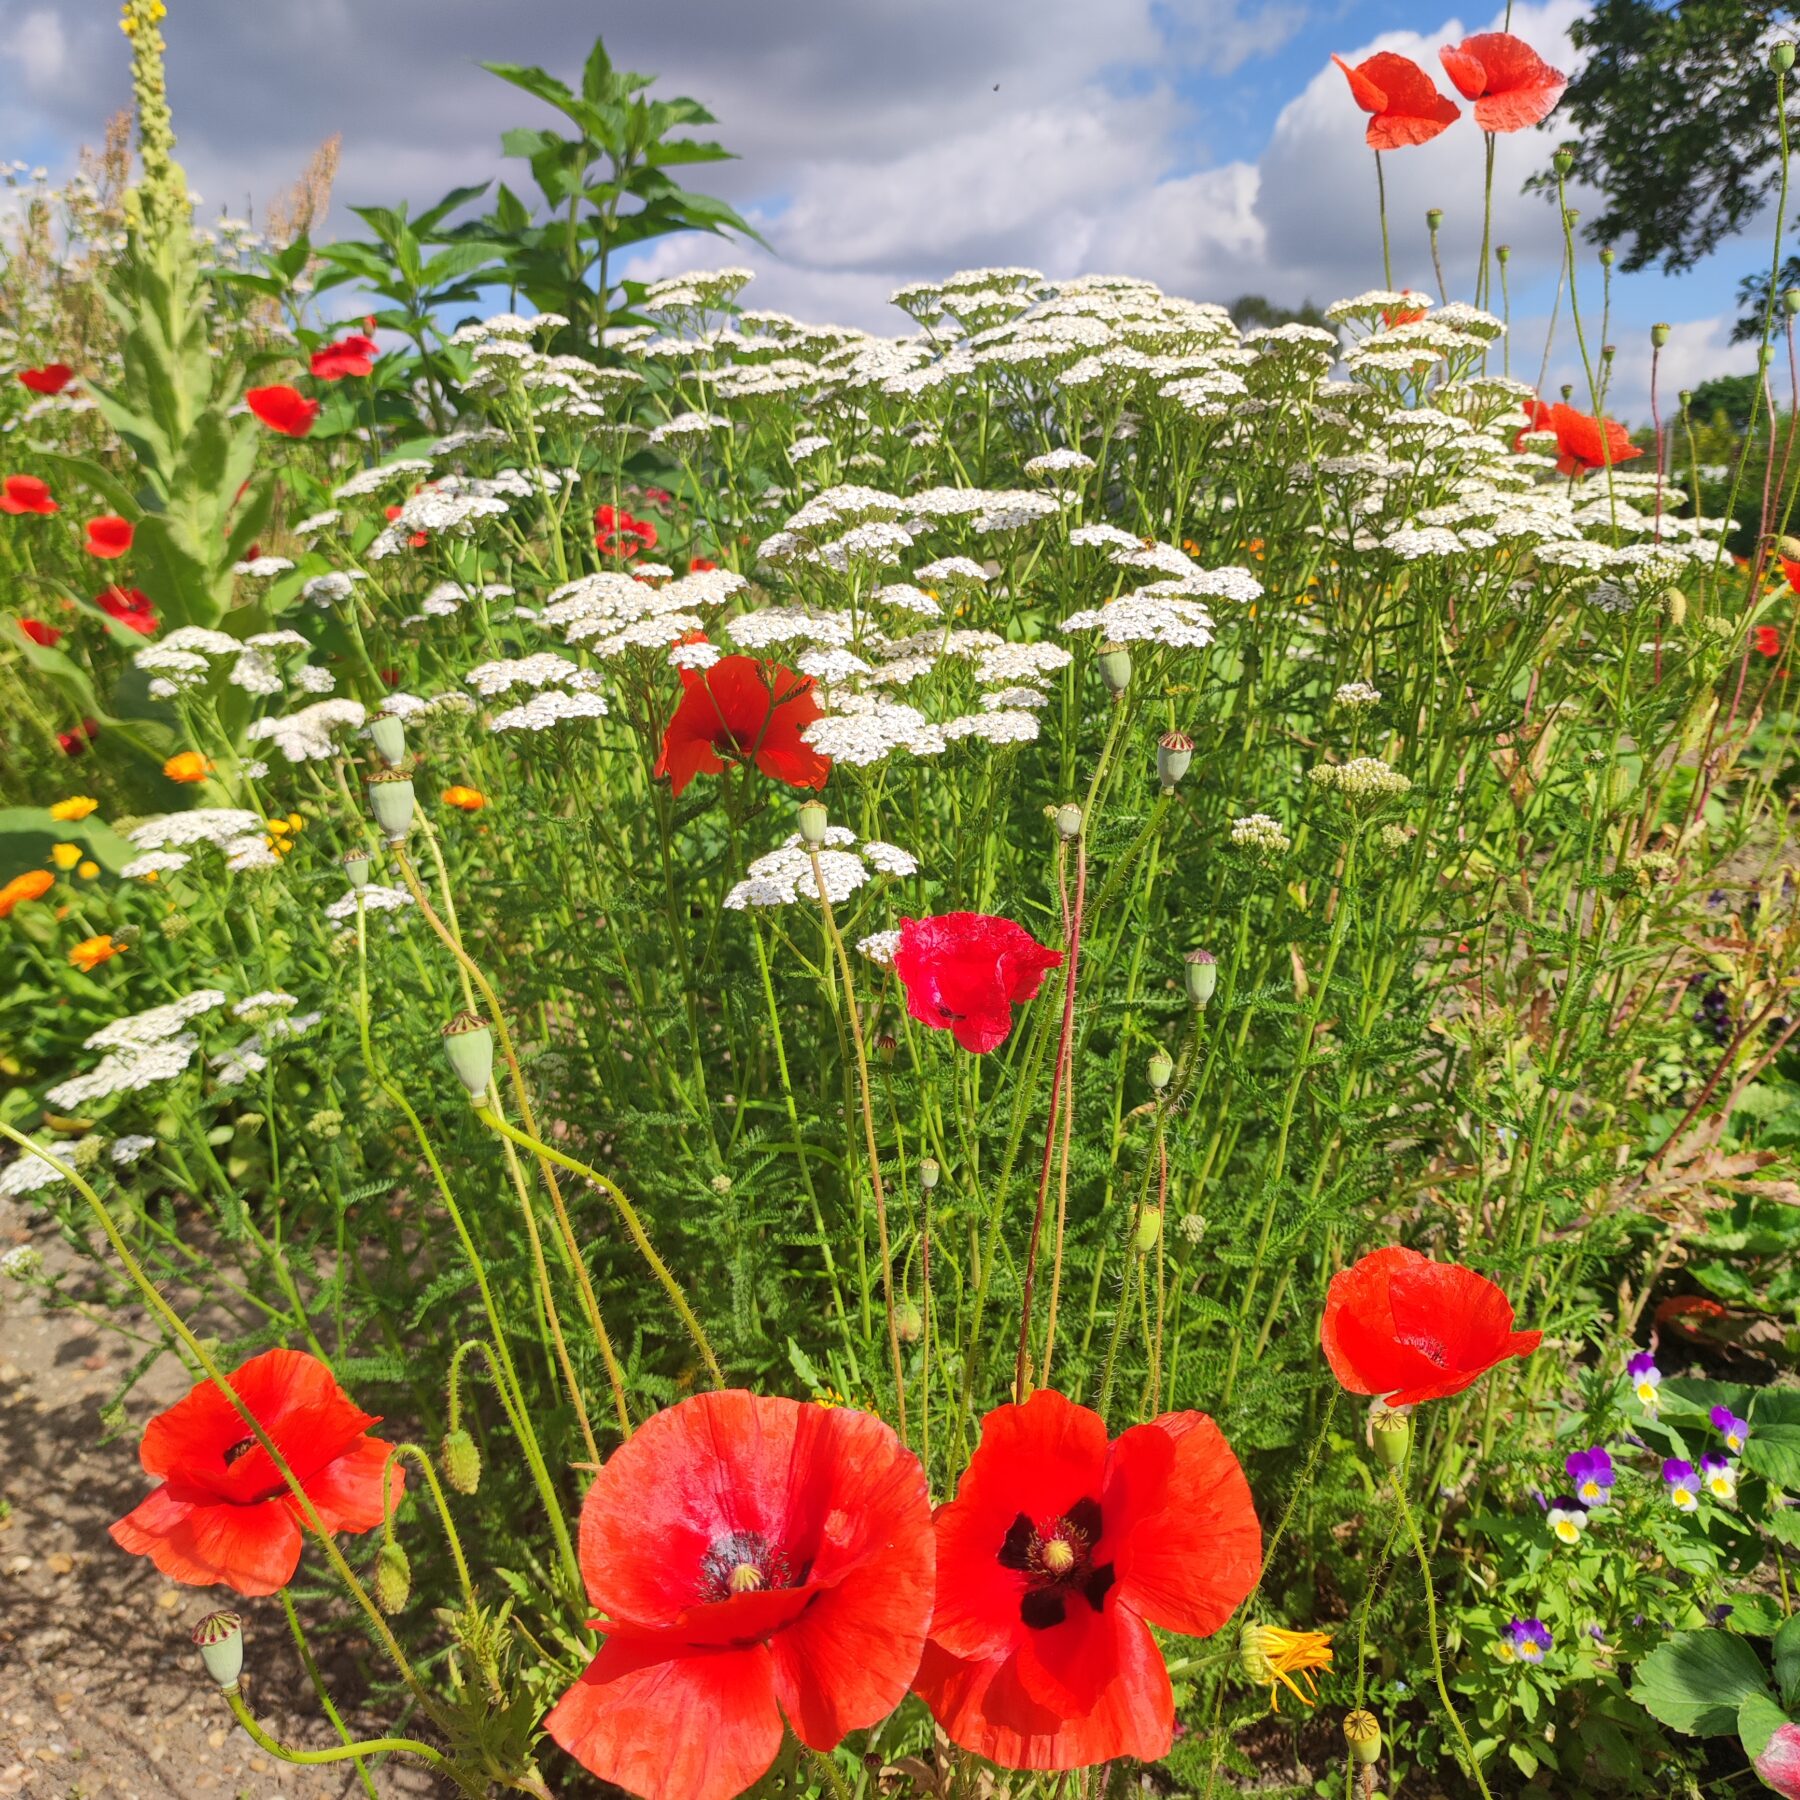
x,y
295,822
87,870
65,856
1273,1655
77,806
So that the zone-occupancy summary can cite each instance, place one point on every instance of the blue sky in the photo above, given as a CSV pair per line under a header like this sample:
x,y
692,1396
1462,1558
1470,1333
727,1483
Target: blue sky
x,y
1207,144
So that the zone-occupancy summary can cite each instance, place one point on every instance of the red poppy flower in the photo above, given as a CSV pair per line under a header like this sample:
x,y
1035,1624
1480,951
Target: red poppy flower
x,y
963,971
108,536
1768,641
747,711
753,1556
223,1512
52,378
698,565
1537,419
131,607
26,494
1392,316
283,409
353,355
1511,85
617,533
1400,1325
1056,1550
40,633
1578,438
1408,108
1791,569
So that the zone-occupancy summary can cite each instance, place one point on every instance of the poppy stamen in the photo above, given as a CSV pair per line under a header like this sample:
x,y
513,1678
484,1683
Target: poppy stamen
x,y
743,1562
242,1447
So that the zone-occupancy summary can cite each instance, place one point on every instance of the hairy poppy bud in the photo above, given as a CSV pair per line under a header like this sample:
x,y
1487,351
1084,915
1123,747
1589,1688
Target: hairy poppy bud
x,y
1781,57
1788,547
1200,970
1390,1431
1115,668
461,1460
1434,217
356,866
813,822
388,735
1563,161
1160,1069
391,800
393,1578
1068,821
1149,1230
1362,1732
469,1044
1174,752
1659,335
928,1173
909,1322
219,1638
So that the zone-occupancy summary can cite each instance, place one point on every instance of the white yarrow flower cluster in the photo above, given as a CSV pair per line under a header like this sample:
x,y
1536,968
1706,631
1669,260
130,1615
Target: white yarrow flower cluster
x,y
1361,778
785,875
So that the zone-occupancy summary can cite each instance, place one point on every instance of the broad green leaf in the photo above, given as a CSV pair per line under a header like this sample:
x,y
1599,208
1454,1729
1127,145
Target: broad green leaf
x,y
1758,1720
1773,1448
1696,1682
1787,1660
21,828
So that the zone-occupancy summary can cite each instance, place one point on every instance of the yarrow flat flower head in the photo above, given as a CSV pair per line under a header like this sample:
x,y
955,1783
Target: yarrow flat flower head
x,y
1361,780
1262,834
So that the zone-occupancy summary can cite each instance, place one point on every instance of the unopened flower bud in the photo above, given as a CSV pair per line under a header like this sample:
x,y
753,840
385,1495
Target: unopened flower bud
x,y
393,1578
1781,57
1390,1433
1563,161
356,867
1115,668
1174,752
391,800
461,1460
219,1638
928,1173
1200,970
1149,1230
1362,1732
1068,822
1659,335
813,821
909,1322
388,735
1161,1068
1434,217
1674,605
469,1044
1788,547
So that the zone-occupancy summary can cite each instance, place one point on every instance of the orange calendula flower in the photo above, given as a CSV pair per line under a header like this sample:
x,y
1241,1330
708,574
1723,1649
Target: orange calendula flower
x,y
65,856
90,953
34,884
466,799
187,765
1268,1653
77,806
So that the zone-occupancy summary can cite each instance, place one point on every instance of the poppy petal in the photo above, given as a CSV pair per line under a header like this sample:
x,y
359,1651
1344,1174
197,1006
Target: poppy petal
x,y
254,1549
348,1491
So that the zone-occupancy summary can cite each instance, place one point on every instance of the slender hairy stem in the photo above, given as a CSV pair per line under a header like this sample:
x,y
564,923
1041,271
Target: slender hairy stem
x,y
351,1752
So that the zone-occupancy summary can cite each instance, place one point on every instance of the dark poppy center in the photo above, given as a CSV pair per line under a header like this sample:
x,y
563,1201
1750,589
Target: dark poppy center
x,y
1057,1561
1432,1349
744,1562
242,1447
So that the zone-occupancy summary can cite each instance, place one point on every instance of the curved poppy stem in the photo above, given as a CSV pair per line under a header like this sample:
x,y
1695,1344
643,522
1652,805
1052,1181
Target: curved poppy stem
x,y
310,1664
443,1511
351,1752
1431,1623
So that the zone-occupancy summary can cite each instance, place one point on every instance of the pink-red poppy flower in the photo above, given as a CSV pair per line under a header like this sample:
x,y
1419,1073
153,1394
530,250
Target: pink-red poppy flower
x,y
1511,85
283,409
26,494
223,1512
1404,100
1768,641
617,533
52,378
754,1557
1399,1325
1057,1554
1581,446
108,536
352,355
963,972
131,607
743,710
40,633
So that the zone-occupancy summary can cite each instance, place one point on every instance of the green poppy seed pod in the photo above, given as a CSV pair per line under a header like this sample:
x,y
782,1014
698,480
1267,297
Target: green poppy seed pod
x,y
356,867
1781,57
388,735
928,1173
1200,970
219,1638
1674,606
1390,1431
469,1044
1161,1068
391,800
1362,1732
1788,547
1149,1230
1115,668
1790,301
1686,397
1174,752
1503,253
1659,335
1568,392
1563,161
1608,352
1068,822
393,1578
461,1460
813,821
1571,216
1434,217
1608,256
909,1322
887,1046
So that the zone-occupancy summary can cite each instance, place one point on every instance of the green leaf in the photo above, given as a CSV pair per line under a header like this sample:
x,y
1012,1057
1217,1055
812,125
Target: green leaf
x,y
27,832
1696,1682
1787,1661
1774,1444
802,1364
1758,1720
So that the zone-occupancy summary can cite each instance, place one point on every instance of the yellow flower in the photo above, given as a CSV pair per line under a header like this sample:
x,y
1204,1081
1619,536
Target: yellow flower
x,y
467,799
187,765
88,870
90,953
1268,1653
295,822
65,856
77,806
279,827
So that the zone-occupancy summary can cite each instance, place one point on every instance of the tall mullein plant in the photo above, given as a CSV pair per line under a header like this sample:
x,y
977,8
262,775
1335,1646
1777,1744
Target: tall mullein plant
x,y
193,492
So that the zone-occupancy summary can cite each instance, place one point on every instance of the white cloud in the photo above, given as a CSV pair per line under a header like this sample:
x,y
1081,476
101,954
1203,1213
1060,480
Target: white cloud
x,y
37,44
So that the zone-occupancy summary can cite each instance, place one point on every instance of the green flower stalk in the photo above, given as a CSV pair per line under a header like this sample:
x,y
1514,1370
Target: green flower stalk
x,y
158,207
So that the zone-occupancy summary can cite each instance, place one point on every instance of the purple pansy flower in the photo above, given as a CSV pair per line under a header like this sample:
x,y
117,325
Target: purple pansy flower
x,y
1528,1639
1719,1477
1567,1518
1730,1427
1592,1473
1683,1481
1645,1377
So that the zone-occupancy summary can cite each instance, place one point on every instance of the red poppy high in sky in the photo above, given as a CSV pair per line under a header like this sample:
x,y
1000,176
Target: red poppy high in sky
x,y
754,1557
1511,85
1404,100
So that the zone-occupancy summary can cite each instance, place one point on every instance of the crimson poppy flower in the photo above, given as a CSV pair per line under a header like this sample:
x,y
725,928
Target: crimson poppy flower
x,y
1511,85
52,378
747,711
352,355
1537,419
698,565
26,494
283,409
754,1557
964,971
1581,445
40,633
617,533
131,607
1408,108
1410,1329
1394,316
223,1512
1055,1552
108,536
1768,641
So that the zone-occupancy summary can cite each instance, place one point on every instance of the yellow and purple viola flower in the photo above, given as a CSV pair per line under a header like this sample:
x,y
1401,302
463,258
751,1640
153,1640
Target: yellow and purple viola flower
x,y
1567,1518
1735,1431
1683,1482
1526,1640
1592,1473
1645,1378
1718,1476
